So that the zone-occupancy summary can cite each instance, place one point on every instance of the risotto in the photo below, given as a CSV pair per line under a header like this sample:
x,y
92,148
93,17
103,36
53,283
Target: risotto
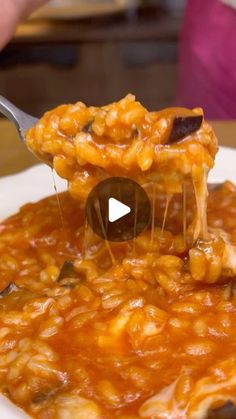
x,y
139,329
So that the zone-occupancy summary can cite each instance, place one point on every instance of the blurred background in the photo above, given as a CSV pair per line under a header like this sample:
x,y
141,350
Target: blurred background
x,y
95,51
166,52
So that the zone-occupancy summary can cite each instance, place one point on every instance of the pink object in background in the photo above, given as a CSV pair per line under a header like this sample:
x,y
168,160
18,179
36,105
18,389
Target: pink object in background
x,y
207,72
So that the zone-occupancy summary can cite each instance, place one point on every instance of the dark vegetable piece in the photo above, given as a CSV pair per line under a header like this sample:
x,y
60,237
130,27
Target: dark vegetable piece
x,y
9,289
47,391
41,397
45,395
184,126
88,127
135,131
214,186
227,411
67,271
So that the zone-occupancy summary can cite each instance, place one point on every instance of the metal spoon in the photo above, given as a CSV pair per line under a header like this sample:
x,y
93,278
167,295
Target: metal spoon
x,y
22,120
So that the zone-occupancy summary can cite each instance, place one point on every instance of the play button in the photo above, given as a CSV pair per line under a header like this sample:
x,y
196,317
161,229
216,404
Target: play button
x,y
118,209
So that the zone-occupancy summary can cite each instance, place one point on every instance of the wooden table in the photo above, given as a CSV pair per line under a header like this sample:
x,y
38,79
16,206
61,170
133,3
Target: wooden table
x,y
15,157
149,23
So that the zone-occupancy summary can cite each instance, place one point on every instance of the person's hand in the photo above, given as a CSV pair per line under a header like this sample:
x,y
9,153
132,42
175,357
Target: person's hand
x,y
12,12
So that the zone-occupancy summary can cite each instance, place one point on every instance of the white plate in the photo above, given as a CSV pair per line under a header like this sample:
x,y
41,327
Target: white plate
x,y
36,183
27,186
78,9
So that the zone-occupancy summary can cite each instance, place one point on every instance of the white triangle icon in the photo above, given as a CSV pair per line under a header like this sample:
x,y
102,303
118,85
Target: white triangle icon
x,y
117,210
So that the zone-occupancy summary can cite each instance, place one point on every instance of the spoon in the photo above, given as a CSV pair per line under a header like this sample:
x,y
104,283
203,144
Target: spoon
x,y
22,120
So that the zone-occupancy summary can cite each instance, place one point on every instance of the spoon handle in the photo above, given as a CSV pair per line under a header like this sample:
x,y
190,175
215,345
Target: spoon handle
x,y
22,120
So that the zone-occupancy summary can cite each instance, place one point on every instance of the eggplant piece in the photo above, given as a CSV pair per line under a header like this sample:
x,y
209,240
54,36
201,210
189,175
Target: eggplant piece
x,y
45,394
227,411
41,397
87,128
136,132
214,186
68,278
11,287
67,271
184,126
